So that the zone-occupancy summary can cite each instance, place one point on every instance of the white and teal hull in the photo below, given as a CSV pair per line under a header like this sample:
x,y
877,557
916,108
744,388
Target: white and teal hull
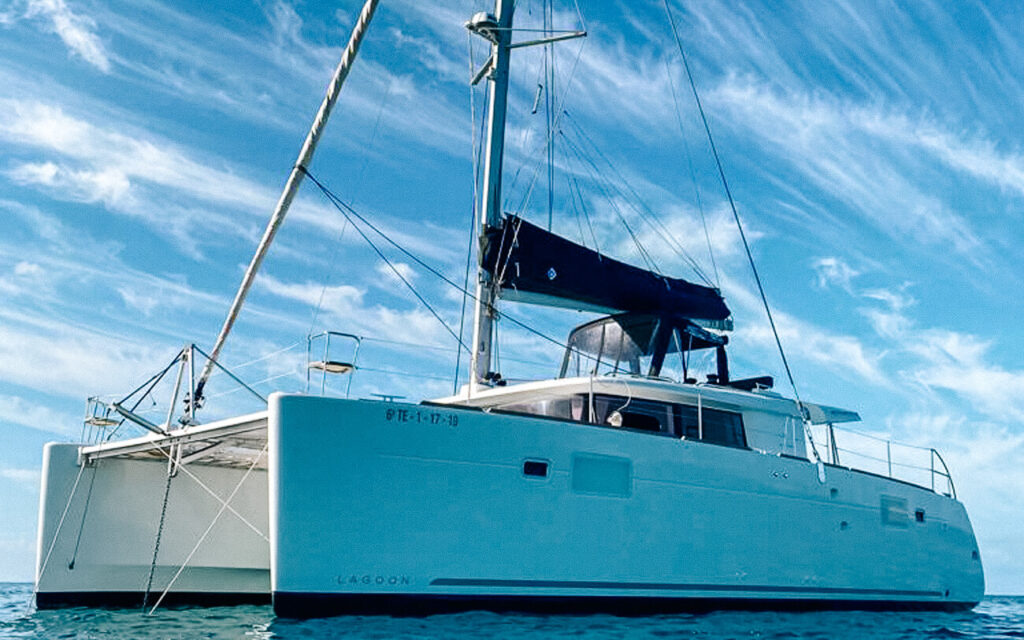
x,y
400,508
102,540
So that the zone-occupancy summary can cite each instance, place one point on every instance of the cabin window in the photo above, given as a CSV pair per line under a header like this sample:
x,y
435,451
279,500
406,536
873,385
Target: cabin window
x,y
650,416
564,408
717,427
631,413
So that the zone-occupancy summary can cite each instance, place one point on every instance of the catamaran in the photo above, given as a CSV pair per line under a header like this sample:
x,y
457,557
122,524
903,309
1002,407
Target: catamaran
x,y
624,485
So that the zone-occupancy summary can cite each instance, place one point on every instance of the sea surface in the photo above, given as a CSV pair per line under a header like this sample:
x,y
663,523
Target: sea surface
x,y
996,617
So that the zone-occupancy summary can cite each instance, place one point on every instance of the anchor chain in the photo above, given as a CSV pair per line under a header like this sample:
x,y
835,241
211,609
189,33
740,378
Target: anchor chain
x,y
159,534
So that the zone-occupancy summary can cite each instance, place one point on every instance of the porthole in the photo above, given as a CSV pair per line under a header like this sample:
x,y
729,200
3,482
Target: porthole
x,y
535,468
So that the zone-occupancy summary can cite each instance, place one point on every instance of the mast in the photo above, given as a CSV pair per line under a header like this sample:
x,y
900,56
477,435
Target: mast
x,y
290,189
498,30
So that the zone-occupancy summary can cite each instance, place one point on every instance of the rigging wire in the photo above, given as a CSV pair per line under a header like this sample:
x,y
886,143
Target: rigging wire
x,y
345,209
85,512
151,384
268,356
477,150
693,173
594,175
549,116
338,202
575,210
344,226
638,204
60,524
554,129
223,507
735,213
574,183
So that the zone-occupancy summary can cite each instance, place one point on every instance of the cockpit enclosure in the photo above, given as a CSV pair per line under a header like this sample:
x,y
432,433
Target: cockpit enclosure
x,y
638,344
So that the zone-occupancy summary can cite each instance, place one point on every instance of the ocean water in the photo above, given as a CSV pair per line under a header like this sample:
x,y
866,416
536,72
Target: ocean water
x,y
995,618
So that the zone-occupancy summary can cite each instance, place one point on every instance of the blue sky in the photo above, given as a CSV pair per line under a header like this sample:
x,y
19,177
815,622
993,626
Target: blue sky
x,y
874,150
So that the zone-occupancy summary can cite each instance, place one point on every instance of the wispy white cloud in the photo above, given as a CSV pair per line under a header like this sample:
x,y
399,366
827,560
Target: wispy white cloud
x,y
29,478
960,363
853,153
17,410
392,278
58,359
939,359
114,156
27,269
109,186
347,306
805,342
833,271
176,189
890,320
76,30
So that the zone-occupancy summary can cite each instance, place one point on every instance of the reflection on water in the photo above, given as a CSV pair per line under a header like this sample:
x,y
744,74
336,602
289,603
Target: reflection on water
x,y
996,617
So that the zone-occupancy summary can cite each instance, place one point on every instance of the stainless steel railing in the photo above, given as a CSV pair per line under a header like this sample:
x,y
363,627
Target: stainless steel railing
x,y
862,451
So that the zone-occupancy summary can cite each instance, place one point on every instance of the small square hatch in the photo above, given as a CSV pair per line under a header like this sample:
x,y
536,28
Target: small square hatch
x,y
535,468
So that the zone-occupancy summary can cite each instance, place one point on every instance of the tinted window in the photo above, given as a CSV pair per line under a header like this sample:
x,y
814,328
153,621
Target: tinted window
x,y
630,413
573,408
724,427
719,427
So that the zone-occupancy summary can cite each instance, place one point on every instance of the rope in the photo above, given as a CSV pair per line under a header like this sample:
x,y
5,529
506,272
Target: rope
x,y
549,115
152,382
291,188
85,510
159,534
236,367
184,469
735,213
223,507
517,223
404,373
60,524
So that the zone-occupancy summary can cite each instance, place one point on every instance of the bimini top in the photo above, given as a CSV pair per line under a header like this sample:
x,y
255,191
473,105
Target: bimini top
x,y
634,343
534,265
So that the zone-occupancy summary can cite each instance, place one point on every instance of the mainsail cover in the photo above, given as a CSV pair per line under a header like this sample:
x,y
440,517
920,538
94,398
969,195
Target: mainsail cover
x,y
534,265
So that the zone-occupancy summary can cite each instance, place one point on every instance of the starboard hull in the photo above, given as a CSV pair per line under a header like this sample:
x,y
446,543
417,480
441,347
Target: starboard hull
x,y
409,509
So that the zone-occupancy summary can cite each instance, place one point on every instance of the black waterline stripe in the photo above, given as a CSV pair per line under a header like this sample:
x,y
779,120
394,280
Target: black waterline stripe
x,y
662,586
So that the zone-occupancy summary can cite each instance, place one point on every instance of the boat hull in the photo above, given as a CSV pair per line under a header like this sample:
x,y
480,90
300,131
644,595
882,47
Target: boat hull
x,y
392,508
98,530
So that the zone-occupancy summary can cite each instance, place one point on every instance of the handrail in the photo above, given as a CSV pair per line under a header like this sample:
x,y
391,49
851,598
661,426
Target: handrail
x,y
892,464
946,474
326,364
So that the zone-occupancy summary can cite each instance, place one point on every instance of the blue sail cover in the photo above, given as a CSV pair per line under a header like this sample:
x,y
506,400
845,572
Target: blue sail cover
x,y
534,265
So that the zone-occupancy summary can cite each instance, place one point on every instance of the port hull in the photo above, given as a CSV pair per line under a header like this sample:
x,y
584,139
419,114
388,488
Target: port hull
x,y
98,530
421,509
